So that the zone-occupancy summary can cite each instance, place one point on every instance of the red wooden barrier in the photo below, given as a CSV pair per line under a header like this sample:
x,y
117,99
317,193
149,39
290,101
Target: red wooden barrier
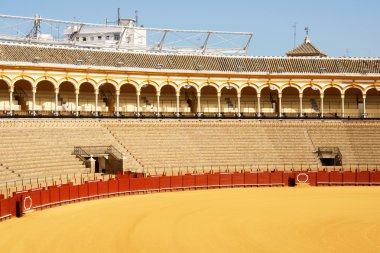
x,y
64,193
323,178
124,185
276,178
45,197
238,178
250,178
312,178
362,178
225,179
4,208
83,191
263,178
92,188
137,184
213,180
165,182
54,194
176,182
375,178
152,183
103,188
188,181
201,181
74,192
349,178
288,178
336,178
113,186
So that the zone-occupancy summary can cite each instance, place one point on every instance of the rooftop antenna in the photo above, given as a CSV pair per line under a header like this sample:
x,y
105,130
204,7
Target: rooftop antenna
x,y
307,30
36,27
118,16
137,17
295,33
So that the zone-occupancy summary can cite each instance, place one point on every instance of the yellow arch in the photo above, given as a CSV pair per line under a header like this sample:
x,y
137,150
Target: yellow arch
x,y
68,79
209,84
290,85
29,79
181,85
87,80
131,82
47,78
150,82
353,87
7,80
224,85
252,85
166,83
333,86
370,88
303,88
266,85
110,81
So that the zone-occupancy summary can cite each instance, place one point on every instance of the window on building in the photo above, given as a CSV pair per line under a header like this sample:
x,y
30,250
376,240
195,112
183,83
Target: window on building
x,y
84,38
107,37
116,37
77,38
99,37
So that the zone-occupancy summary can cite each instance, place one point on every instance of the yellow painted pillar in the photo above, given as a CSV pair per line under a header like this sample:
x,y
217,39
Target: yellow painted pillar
x,y
301,104
11,100
258,105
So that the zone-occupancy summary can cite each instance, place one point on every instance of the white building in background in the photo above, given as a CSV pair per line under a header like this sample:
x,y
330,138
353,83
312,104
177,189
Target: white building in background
x,y
126,36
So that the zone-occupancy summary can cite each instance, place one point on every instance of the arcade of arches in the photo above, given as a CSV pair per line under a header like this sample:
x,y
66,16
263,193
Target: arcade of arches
x,y
46,98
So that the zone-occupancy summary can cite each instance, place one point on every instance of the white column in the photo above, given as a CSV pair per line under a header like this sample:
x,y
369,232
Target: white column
x,y
138,103
177,96
364,105
96,101
258,105
34,90
56,91
342,96
199,103
117,103
77,102
158,104
219,109
11,100
301,105
280,104
238,109
322,112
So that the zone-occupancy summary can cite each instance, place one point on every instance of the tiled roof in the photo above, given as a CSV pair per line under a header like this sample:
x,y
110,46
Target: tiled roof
x,y
306,49
189,63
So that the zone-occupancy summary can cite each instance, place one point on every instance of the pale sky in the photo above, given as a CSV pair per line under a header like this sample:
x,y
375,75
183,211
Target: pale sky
x,y
337,27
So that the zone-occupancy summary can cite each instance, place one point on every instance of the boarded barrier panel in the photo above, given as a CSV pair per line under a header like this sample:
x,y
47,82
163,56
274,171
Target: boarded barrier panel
x,y
176,181
92,189
64,193
213,180
152,183
225,179
137,184
124,185
288,178
188,181
323,178
164,182
54,194
250,178
263,178
362,178
201,181
375,178
238,178
312,178
113,186
103,188
45,197
276,178
349,178
74,192
83,191
336,178
4,207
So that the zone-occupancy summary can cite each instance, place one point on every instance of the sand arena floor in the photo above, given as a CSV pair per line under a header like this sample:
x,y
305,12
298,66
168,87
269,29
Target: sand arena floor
x,y
229,220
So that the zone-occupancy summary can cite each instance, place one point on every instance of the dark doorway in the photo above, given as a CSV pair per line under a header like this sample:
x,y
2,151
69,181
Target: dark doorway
x,y
291,182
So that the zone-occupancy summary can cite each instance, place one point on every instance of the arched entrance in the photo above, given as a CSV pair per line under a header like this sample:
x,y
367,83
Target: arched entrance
x,y
228,101
24,96
209,101
107,99
87,99
353,103
45,98
168,101
332,103
66,98
148,100
128,100
248,102
189,100
311,102
269,101
4,97
372,103
290,102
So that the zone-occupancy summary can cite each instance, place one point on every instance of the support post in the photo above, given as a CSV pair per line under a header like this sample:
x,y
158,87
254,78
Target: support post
x,y
301,105
96,101
34,91
138,104
258,105
219,109
77,102
364,106
342,96
177,110
238,107
158,104
199,113
117,111
56,92
280,104
11,100
322,105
